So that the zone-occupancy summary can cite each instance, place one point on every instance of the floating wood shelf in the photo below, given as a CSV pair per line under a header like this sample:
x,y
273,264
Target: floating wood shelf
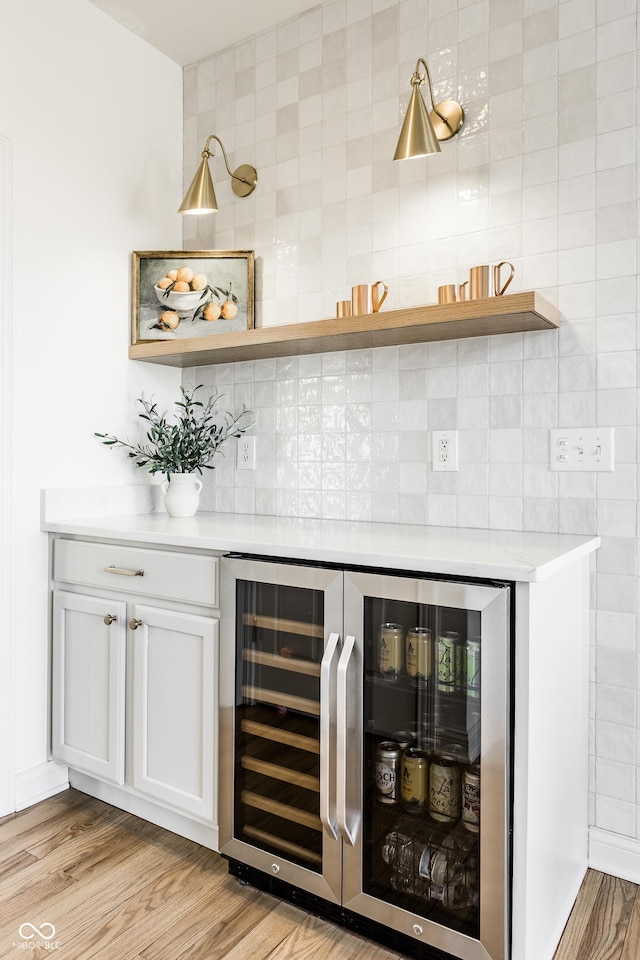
x,y
512,313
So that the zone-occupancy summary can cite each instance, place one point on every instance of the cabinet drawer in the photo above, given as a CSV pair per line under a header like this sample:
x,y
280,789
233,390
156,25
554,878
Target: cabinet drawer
x,y
184,577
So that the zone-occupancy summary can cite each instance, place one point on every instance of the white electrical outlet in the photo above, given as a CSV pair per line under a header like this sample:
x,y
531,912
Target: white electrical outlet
x,y
581,448
445,450
246,453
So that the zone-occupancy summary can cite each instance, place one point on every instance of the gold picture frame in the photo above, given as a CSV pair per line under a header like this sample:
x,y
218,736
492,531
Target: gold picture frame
x,y
215,295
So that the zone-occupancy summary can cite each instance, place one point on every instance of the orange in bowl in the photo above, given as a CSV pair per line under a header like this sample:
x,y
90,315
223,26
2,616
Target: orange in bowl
x,y
185,274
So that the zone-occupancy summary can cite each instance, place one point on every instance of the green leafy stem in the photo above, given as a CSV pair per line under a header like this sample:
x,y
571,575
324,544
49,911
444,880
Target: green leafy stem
x,y
189,443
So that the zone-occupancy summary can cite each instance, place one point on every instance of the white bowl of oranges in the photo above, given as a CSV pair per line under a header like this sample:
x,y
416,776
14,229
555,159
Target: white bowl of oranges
x,y
182,291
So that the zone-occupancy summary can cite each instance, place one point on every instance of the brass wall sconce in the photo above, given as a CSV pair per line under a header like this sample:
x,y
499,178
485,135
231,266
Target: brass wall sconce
x,y
201,198
421,130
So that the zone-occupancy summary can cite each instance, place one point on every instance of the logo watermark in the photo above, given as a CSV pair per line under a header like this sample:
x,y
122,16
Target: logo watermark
x,y
32,937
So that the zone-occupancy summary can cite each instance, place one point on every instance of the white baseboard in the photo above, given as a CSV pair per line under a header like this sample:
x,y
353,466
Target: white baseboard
x,y
206,834
40,782
614,854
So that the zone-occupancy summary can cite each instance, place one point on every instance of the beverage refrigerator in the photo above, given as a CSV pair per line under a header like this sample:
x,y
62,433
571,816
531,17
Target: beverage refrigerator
x,y
365,749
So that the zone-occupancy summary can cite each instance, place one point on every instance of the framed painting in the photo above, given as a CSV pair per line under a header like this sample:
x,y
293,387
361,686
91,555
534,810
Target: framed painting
x,y
182,294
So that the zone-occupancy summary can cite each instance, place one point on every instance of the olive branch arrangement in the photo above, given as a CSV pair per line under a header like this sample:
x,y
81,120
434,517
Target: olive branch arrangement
x,y
190,442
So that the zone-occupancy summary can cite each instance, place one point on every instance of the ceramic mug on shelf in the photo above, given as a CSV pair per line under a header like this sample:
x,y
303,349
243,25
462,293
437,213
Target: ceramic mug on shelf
x,y
485,280
366,298
343,308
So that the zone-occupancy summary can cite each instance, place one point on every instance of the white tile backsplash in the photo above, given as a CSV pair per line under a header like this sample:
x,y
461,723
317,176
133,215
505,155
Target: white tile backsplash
x,y
544,174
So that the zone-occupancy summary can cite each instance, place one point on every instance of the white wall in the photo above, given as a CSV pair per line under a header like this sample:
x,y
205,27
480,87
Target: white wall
x,y
544,174
93,120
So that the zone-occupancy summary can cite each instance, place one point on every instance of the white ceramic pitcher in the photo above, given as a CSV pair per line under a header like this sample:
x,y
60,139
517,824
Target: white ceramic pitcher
x,y
181,494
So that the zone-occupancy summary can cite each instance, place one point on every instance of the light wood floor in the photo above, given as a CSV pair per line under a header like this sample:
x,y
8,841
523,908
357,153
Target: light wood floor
x,y
117,888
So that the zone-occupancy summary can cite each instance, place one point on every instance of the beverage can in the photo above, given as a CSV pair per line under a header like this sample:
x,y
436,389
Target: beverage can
x,y
448,656
471,798
404,738
472,668
461,666
418,654
415,768
445,789
390,650
388,758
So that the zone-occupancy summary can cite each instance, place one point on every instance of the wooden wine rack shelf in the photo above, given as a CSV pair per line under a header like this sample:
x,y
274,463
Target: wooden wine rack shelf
x,y
292,664
278,699
299,627
254,833
279,735
512,313
283,810
277,772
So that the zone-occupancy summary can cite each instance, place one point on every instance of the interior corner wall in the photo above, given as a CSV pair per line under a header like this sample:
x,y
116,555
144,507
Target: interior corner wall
x,y
93,121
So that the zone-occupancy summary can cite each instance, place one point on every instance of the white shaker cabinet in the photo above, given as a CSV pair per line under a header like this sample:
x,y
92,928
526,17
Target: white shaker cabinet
x,y
89,650
135,681
174,707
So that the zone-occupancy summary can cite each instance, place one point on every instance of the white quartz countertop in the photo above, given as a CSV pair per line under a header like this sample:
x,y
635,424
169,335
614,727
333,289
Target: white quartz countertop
x,y
498,554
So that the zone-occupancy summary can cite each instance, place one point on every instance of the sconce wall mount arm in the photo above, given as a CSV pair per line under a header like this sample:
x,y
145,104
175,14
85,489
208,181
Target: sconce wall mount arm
x,y
243,178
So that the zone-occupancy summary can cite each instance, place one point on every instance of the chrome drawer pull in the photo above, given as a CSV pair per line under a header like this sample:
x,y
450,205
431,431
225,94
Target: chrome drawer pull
x,y
109,619
123,572
135,623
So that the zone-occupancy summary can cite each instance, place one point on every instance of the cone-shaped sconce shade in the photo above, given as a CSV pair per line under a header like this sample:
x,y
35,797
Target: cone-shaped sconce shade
x,y
200,197
417,137
421,130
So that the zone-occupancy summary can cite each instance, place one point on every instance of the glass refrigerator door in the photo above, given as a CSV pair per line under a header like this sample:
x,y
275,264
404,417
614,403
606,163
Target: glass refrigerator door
x,y
433,759
280,633
283,677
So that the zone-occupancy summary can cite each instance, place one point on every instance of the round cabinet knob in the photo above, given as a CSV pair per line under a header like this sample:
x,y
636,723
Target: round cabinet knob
x,y
275,868
417,929
109,619
134,624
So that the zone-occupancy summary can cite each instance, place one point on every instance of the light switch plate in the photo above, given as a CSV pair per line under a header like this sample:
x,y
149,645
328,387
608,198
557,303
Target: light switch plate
x,y
581,448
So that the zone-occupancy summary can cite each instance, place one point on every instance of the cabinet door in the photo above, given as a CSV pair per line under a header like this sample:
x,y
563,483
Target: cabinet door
x,y
175,703
89,646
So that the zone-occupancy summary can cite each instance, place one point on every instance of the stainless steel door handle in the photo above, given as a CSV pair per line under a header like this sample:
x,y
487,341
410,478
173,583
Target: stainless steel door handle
x,y
327,714
348,819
